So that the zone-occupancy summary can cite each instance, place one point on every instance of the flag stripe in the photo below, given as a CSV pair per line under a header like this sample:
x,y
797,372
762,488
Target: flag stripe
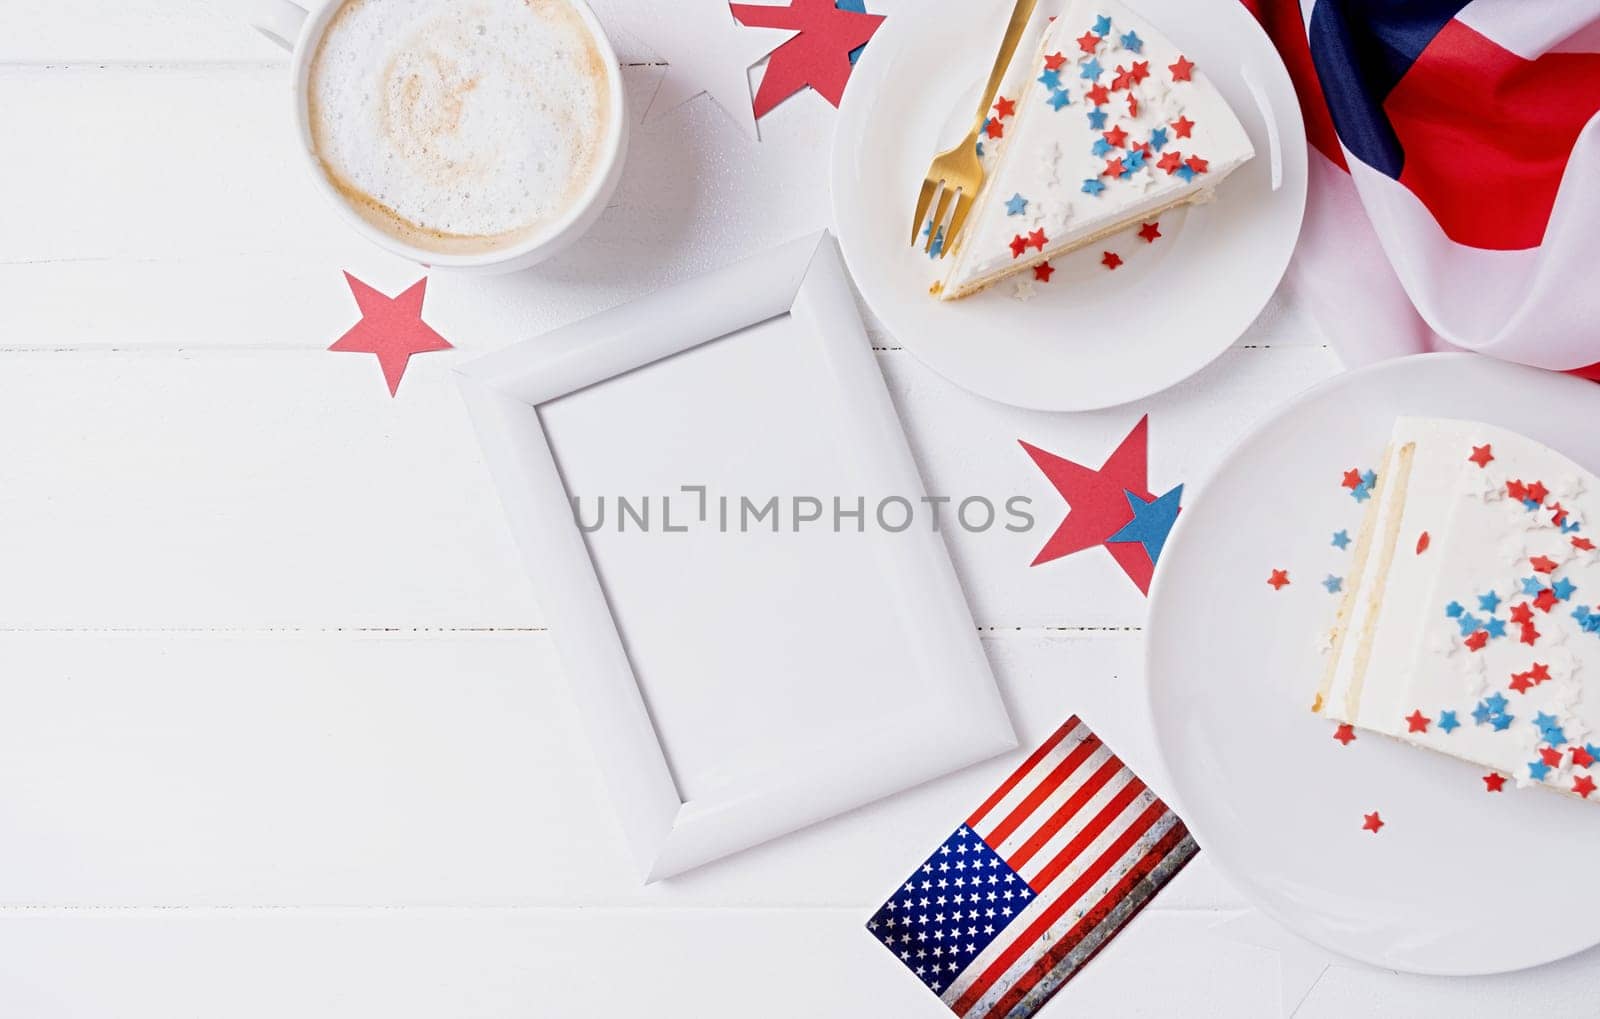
x,y
1040,793
1017,776
1067,811
1062,860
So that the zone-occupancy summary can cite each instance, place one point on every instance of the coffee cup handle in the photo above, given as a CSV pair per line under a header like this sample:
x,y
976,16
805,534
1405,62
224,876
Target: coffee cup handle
x,y
278,20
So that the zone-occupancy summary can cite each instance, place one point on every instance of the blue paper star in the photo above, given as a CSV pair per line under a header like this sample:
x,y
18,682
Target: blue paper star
x,y
1050,79
1454,610
1503,721
1488,602
1016,205
1333,584
1097,119
1496,628
1537,770
1158,139
1089,71
1102,26
1093,186
1497,703
1532,586
1447,721
1482,713
1341,539
1100,147
1152,521
1059,99
1563,588
858,7
1131,41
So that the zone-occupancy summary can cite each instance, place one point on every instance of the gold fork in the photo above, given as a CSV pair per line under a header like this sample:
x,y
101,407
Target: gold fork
x,y
958,174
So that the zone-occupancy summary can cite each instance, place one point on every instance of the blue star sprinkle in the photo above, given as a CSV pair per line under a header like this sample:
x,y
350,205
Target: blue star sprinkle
x,y
1131,41
1370,478
1569,525
1363,491
1050,79
1537,770
1530,504
1100,147
980,150
1097,119
1016,205
1333,584
1580,613
1088,72
1542,721
1341,539
1152,521
1503,721
1555,736
1102,26
937,247
1093,186
1454,610
1482,713
1059,99
1497,703
1563,588
1469,624
1187,175
1158,139
1134,159
1448,722
1531,586
1489,602
1496,628
1592,750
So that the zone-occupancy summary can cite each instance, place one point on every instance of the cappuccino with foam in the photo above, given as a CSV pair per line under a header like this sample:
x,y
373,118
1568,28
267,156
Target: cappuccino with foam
x,y
459,126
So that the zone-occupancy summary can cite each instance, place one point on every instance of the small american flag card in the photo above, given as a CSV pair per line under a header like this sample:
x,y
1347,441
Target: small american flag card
x,y
1039,878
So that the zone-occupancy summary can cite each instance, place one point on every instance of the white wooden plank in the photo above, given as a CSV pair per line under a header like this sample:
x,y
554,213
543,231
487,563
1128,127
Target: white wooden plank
x,y
371,769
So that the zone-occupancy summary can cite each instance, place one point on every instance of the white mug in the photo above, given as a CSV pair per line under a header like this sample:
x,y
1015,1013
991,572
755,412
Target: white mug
x,y
299,31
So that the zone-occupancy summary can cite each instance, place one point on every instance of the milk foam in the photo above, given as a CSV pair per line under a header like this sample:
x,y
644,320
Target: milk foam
x,y
459,125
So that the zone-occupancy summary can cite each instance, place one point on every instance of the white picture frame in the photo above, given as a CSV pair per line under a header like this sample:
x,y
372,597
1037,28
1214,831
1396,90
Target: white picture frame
x,y
736,685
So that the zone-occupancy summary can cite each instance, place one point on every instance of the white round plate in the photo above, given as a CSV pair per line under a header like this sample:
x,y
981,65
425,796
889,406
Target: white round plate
x,y
1090,338
1459,881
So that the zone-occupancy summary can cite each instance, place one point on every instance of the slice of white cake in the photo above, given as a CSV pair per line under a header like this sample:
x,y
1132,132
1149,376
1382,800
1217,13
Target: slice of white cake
x,y
1463,626
1115,126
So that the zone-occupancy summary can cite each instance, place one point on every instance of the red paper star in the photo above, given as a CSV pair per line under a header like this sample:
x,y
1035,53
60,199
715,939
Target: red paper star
x,y
1088,41
1478,640
1042,272
1417,721
994,129
1170,163
819,56
1181,127
1182,70
1098,504
1550,756
1098,95
1542,564
1150,231
1422,542
390,327
1345,733
1581,757
1546,600
1019,244
1140,70
1196,164
1279,579
1481,455
1114,167
1004,107
1494,782
1583,786
1116,137
1583,544
1110,259
1372,822
1038,240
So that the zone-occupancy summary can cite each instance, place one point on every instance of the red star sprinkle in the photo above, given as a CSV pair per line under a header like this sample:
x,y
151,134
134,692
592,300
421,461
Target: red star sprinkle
x,y
994,129
1477,640
1550,756
1054,61
1122,79
1110,259
1494,782
390,327
1422,542
1352,479
1098,95
1538,493
1116,137
1038,240
1181,127
1170,162
1279,579
1371,822
1196,164
1150,231
1133,105
1583,786
1417,721
1583,544
1140,70
818,56
1543,564
1088,41
1546,600
1581,757
1004,107
1481,455
1114,167
1539,673
1530,636
1019,244
1345,733
1144,147
1522,614
1182,70
1042,271
1521,682
1558,514
1517,490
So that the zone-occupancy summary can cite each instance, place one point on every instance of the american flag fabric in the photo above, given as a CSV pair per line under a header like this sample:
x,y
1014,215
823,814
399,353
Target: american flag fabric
x,y
1040,877
1456,152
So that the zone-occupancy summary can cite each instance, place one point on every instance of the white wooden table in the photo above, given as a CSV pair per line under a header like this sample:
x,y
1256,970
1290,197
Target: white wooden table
x,y
281,729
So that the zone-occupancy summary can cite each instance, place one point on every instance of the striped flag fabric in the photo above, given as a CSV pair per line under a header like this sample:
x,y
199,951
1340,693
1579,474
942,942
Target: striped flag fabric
x,y
1455,150
1041,876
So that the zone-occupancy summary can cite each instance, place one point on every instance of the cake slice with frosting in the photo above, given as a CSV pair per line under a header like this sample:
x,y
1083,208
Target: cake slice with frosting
x,y
1116,126
1469,623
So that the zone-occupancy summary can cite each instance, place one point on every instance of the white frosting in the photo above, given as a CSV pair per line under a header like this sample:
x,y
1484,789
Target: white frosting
x,y
1420,659
459,118
1046,154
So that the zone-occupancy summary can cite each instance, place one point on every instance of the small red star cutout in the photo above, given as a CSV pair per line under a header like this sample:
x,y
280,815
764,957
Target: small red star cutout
x,y
1417,721
1140,70
1530,636
1542,564
1538,493
1539,673
1545,600
1054,61
1182,70
1352,479
1372,822
1019,244
390,327
1279,579
1122,79
818,56
1150,231
1110,259
1196,164
1477,640
1181,127
1581,757
1345,733
1422,542
1550,756
1583,786
1098,95
1583,544
994,129
1004,107
1133,105
1481,455
1114,167
1494,782
1170,162
1517,490
1038,240
1522,614
1521,682
1116,137
1088,41
1042,272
